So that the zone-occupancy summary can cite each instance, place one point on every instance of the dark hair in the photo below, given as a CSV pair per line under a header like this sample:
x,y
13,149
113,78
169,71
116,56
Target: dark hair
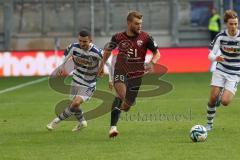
x,y
134,14
84,33
229,14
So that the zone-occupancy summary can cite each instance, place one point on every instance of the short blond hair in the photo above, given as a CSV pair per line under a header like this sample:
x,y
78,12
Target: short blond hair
x,y
134,14
229,14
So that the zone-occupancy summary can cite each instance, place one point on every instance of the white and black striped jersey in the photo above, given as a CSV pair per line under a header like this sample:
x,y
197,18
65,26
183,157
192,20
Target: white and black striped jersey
x,y
229,48
86,63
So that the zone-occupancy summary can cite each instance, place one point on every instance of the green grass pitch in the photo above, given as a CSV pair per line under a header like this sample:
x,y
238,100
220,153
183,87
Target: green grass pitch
x,y
25,112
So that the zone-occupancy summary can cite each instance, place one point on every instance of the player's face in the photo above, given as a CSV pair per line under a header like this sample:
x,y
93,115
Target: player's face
x,y
232,26
135,25
84,42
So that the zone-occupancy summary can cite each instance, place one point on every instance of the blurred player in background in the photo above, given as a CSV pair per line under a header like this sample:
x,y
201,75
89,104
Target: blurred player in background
x,y
214,25
129,67
86,57
226,77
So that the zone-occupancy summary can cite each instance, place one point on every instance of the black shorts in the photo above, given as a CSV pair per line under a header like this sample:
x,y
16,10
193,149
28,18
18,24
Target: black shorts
x,y
132,86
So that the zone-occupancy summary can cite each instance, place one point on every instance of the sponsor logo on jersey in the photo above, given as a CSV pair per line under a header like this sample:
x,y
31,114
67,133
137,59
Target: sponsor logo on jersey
x,y
139,43
231,50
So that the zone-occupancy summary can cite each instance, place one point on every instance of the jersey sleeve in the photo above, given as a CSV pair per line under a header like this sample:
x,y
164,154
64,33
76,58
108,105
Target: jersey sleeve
x,y
100,53
113,43
68,50
214,48
113,39
152,45
67,53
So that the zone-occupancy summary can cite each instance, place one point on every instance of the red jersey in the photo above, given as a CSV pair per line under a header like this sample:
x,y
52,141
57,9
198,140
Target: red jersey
x,y
132,52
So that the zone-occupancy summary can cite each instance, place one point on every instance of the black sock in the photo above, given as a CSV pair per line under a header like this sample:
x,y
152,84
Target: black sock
x,y
115,114
68,112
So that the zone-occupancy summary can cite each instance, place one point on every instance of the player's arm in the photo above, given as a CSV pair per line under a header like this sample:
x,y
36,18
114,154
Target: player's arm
x,y
152,45
214,48
110,81
110,65
62,69
66,59
153,61
106,54
156,56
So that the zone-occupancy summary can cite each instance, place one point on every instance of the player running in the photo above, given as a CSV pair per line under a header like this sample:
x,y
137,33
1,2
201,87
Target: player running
x,y
129,67
86,57
226,77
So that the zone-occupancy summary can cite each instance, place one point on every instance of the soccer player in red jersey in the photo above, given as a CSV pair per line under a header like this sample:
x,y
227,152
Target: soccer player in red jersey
x,y
129,67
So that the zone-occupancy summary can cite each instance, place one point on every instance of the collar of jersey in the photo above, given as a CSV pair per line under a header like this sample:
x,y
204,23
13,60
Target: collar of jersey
x,y
130,36
90,47
230,35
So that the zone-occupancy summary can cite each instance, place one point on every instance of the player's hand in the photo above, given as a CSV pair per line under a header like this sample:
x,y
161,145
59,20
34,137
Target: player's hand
x,y
100,72
110,86
61,73
148,67
220,59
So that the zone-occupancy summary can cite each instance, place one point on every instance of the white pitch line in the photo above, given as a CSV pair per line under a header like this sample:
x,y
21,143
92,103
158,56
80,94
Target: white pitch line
x,y
22,85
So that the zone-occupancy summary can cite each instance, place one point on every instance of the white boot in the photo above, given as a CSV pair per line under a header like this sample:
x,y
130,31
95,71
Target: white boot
x,y
53,124
113,132
80,125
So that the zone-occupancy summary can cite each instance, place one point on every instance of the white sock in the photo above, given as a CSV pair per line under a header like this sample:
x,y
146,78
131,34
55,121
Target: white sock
x,y
56,120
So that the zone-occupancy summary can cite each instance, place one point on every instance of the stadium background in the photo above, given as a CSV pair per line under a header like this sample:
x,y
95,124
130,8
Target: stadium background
x,y
40,25
33,35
